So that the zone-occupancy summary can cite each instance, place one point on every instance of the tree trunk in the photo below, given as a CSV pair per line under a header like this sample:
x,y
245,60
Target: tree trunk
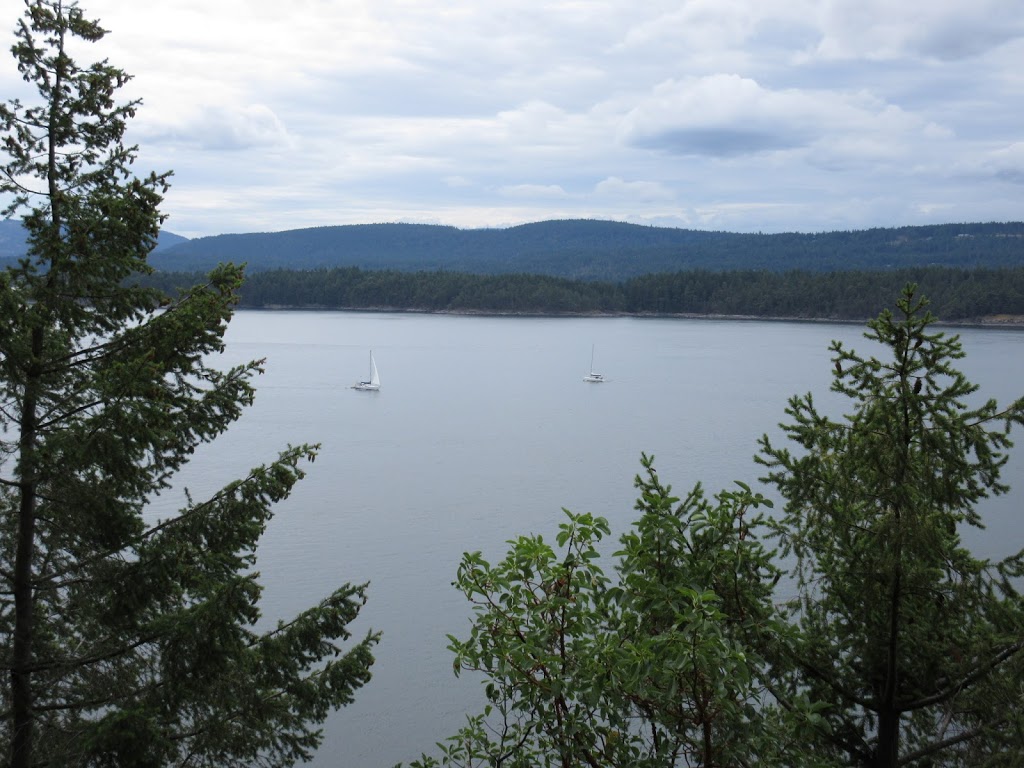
x,y
888,750
21,652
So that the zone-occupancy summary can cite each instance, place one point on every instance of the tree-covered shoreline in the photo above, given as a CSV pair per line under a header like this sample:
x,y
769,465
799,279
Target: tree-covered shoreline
x,y
959,296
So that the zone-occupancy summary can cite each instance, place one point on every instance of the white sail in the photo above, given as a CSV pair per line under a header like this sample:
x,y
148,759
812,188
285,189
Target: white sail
x,y
374,376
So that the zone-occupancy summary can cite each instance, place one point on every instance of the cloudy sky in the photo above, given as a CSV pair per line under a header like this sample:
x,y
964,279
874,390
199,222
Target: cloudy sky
x,y
739,115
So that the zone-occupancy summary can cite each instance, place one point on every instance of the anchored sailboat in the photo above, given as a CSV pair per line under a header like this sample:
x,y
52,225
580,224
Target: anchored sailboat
x,y
593,377
374,383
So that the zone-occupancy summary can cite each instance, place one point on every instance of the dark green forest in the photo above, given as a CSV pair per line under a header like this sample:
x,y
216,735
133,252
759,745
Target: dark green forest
x,y
583,249
958,295
601,250
971,271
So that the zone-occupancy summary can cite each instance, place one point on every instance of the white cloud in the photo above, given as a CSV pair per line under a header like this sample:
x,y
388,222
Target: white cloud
x,y
1007,163
728,116
534,191
941,29
642,191
218,128
719,115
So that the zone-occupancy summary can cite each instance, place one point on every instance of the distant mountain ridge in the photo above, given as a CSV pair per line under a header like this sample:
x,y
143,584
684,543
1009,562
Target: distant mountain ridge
x,y
591,249
600,250
12,240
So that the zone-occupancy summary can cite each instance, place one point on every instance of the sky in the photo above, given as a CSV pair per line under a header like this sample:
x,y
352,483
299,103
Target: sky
x,y
729,115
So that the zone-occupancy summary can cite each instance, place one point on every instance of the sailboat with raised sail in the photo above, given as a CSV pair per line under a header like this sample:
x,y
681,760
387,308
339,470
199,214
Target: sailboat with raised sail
x,y
594,378
373,384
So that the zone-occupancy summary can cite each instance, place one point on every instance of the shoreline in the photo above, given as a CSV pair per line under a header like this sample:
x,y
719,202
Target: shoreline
x,y
1000,321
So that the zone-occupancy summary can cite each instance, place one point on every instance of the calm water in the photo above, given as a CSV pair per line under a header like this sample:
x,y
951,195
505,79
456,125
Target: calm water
x,y
483,430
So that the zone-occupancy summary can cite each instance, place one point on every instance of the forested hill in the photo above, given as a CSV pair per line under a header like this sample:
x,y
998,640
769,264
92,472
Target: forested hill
x,y
601,250
584,249
12,241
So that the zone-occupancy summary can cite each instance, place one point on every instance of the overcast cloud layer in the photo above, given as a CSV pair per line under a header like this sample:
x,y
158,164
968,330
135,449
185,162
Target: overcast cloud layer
x,y
739,115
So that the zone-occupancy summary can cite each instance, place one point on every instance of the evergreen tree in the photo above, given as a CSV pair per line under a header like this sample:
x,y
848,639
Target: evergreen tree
x,y
915,646
130,641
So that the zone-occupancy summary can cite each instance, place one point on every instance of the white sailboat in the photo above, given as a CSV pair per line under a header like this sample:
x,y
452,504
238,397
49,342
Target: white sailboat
x,y
595,378
374,383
